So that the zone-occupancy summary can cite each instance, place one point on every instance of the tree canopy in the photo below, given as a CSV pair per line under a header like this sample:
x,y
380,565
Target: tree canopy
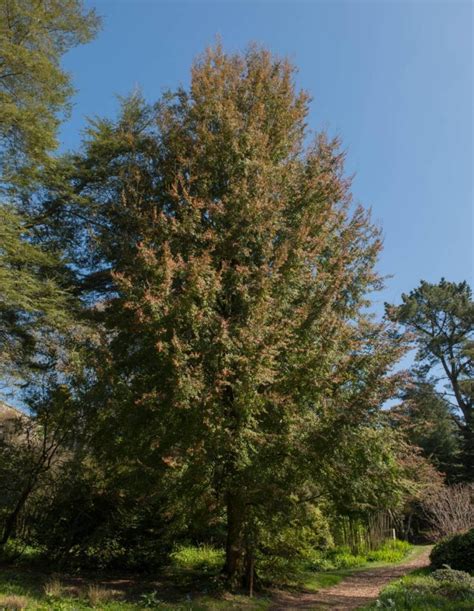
x,y
230,275
34,94
441,318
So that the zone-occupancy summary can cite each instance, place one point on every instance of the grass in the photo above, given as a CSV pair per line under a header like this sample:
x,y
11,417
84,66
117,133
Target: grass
x,y
192,581
329,569
419,591
202,557
342,557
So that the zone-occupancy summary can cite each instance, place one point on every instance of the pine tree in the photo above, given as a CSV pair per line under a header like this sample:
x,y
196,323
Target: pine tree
x,y
441,318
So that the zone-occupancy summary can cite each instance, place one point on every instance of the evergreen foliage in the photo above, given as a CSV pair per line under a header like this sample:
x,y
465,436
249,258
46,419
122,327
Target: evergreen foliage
x,y
441,319
229,278
186,300
34,92
426,419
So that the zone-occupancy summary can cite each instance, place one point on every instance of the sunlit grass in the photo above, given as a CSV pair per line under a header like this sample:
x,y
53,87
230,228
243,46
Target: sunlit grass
x,y
419,591
203,557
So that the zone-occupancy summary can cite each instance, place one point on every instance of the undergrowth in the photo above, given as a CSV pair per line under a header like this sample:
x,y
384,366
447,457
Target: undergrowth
x,y
343,558
423,591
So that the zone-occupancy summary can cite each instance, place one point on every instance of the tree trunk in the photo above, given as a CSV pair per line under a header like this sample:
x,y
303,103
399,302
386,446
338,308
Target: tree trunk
x,y
234,568
12,518
468,451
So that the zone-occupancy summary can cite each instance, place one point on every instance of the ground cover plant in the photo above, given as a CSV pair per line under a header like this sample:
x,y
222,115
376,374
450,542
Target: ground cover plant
x,y
425,590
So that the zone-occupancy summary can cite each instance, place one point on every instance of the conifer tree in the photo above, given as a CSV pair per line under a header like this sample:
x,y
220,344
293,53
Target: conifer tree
x,y
34,96
228,275
441,319
425,417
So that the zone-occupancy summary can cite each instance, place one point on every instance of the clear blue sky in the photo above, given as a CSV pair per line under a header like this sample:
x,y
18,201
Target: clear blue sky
x,y
393,78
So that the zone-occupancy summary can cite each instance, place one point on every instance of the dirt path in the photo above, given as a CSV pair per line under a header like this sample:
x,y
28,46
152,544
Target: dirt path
x,y
355,591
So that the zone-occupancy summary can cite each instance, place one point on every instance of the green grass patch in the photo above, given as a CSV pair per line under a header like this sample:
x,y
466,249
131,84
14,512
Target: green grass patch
x,y
201,558
342,557
420,591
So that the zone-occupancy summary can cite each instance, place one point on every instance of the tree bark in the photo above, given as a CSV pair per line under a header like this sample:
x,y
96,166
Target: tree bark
x,y
12,518
235,552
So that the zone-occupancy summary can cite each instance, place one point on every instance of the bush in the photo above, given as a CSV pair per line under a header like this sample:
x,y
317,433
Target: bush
x,y
343,558
203,557
453,576
450,510
419,591
456,552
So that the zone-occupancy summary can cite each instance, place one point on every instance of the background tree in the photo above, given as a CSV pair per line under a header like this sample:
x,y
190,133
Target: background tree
x,y
34,89
35,305
426,420
34,95
441,317
228,278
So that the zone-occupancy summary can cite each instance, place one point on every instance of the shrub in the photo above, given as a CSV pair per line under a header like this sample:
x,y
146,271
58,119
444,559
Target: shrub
x,y
450,510
343,558
453,576
203,557
424,592
456,552
390,551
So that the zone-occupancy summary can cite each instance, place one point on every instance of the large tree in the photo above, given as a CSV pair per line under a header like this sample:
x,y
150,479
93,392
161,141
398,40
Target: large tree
x,y
441,319
35,305
227,272
34,96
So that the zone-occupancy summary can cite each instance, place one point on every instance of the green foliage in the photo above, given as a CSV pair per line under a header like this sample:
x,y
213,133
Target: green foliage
x,y
150,600
452,575
341,557
100,525
390,551
441,317
457,552
33,306
228,278
421,592
203,557
426,419
34,90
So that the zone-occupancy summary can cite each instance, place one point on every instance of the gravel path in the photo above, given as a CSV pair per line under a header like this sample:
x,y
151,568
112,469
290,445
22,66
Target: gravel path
x,y
355,591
